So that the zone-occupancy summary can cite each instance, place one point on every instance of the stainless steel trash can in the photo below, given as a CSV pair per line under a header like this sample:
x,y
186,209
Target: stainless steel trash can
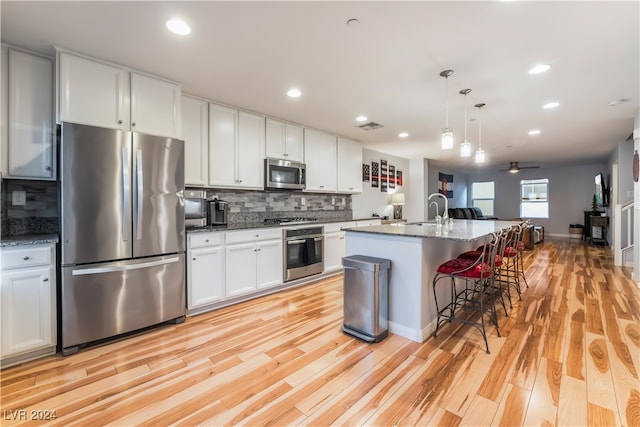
x,y
366,297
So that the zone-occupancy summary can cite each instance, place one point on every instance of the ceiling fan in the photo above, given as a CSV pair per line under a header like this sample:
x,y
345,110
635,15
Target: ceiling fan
x,y
515,168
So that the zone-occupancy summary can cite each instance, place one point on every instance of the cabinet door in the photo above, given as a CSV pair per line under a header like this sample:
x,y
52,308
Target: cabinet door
x,y
349,166
250,151
275,139
30,150
240,277
195,128
269,263
294,143
223,124
155,106
92,93
333,251
28,313
320,157
205,276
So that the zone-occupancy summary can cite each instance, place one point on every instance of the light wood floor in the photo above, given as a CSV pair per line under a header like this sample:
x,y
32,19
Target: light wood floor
x,y
569,355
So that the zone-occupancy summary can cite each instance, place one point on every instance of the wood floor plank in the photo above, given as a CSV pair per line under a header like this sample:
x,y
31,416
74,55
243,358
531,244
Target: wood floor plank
x,y
570,349
572,402
480,412
543,404
599,380
513,407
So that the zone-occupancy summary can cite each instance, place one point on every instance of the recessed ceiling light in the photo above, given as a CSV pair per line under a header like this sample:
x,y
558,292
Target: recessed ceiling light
x,y
549,105
539,68
353,22
534,132
615,102
178,26
403,134
361,119
294,93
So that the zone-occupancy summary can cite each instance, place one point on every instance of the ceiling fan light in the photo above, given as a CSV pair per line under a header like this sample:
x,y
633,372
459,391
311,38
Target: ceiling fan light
x,y
465,148
513,167
480,156
447,139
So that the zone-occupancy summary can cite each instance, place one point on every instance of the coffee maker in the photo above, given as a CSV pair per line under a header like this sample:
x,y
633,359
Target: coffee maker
x,y
217,212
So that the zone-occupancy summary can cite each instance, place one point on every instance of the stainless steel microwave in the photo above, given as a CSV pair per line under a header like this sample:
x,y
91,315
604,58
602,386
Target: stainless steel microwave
x,y
280,173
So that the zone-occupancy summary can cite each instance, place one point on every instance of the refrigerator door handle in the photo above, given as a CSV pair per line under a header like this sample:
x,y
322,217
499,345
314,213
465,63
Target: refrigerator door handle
x,y
139,194
123,267
126,197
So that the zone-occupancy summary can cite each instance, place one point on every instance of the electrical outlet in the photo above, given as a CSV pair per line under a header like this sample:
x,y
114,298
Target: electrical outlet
x,y
343,201
303,201
19,198
333,201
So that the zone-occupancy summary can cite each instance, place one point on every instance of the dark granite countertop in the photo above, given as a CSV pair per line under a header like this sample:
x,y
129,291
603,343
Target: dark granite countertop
x,y
462,230
29,239
261,224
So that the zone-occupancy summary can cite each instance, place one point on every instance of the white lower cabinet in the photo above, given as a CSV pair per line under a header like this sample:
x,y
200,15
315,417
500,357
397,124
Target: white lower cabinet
x,y
27,303
334,245
205,269
253,260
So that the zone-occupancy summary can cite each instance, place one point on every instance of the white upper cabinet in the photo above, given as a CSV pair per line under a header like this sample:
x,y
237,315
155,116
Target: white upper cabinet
x,y
349,166
195,133
320,158
250,150
29,144
155,106
236,148
284,141
223,128
92,93
97,93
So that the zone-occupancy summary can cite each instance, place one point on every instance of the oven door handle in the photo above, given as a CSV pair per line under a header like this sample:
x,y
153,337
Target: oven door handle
x,y
298,241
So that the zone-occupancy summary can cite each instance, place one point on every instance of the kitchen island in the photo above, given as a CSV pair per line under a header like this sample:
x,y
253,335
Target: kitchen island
x,y
416,250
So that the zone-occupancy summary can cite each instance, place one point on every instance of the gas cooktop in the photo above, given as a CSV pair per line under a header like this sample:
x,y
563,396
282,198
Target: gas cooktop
x,y
290,220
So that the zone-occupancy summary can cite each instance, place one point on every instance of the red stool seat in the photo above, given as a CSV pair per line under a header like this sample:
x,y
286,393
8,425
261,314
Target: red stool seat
x,y
474,255
465,268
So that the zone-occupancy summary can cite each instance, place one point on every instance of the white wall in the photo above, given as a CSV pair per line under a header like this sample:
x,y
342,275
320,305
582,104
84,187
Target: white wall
x,y
372,200
571,191
636,206
416,207
459,199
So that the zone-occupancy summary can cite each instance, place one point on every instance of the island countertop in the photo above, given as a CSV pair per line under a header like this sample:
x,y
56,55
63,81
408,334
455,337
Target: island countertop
x,y
465,230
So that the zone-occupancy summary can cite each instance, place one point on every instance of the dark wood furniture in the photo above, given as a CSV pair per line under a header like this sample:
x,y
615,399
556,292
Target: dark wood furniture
x,y
595,219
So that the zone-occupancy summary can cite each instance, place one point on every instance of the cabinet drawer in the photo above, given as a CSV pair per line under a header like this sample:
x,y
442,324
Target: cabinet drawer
x,y
337,226
253,235
201,240
26,256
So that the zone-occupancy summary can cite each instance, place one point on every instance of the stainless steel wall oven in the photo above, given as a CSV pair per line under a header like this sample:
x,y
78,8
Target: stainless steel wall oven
x,y
303,252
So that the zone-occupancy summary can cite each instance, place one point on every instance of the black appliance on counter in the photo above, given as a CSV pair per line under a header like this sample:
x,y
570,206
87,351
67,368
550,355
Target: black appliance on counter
x,y
217,212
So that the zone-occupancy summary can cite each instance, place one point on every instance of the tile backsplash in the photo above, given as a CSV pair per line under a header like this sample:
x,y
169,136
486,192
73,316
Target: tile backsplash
x,y
39,215
252,206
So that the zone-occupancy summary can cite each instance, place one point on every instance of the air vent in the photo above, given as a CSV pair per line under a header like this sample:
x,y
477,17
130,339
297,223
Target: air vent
x,y
370,126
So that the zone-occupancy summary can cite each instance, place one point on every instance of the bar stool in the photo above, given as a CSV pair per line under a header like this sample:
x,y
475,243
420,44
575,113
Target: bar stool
x,y
478,276
503,240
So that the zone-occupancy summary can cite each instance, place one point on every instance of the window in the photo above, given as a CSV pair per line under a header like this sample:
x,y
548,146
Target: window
x,y
534,198
482,194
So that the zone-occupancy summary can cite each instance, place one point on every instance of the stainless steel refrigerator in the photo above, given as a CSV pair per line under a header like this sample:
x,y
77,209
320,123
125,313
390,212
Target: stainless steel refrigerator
x,y
122,233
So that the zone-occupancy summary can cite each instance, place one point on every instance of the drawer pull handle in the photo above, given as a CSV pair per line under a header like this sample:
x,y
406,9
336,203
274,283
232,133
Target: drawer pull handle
x,y
206,241
26,258
46,279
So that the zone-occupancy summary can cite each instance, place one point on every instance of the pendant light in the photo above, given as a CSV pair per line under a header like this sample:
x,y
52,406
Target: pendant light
x,y
465,147
447,133
480,152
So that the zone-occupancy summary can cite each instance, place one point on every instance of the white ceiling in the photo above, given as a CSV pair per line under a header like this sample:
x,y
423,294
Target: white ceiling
x,y
248,54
